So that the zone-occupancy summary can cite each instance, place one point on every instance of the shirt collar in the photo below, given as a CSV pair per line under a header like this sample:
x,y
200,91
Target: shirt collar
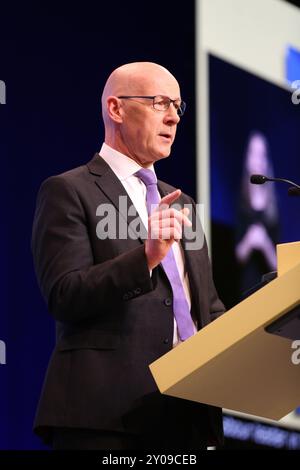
x,y
122,166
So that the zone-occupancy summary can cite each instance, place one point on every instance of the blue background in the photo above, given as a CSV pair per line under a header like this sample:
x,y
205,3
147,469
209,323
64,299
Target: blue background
x,y
55,62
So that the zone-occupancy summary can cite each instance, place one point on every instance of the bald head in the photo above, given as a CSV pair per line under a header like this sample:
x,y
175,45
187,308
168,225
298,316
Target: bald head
x,y
136,78
133,126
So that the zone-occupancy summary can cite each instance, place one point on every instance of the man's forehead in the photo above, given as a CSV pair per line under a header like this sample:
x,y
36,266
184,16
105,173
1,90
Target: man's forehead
x,y
155,84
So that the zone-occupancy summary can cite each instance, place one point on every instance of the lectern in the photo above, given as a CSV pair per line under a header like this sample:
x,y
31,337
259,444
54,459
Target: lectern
x,y
242,361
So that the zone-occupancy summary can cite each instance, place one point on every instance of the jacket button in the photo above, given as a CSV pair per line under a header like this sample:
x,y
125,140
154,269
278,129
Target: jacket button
x,y
128,295
166,340
168,301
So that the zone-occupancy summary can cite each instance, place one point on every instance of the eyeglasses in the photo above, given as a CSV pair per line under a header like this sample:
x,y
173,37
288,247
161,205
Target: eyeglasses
x,y
161,103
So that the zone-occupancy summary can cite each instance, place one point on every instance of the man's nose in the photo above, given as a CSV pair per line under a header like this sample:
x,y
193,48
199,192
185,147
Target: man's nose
x,y
171,115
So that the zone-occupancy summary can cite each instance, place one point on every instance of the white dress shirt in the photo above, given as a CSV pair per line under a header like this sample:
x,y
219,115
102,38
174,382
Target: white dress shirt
x,y
124,168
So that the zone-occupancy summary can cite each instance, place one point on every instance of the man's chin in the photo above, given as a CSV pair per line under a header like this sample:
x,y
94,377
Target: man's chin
x,y
155,157
164,153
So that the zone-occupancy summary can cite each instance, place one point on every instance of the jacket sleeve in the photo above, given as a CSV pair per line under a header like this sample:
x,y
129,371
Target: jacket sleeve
x,y
215,305
74,287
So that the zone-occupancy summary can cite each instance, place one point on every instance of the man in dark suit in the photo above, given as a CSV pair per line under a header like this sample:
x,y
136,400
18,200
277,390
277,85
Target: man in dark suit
x,y
109,288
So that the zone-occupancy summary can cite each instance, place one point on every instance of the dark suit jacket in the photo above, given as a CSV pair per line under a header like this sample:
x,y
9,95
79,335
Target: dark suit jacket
x,y
113,319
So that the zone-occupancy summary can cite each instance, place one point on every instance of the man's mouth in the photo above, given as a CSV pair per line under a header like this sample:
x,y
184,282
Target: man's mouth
x,y
166,136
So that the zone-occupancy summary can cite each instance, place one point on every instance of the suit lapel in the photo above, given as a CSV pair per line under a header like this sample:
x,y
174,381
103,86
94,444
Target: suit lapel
x,y
113,189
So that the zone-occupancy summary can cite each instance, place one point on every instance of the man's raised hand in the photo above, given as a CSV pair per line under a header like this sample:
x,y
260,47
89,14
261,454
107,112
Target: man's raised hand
x,y
164,227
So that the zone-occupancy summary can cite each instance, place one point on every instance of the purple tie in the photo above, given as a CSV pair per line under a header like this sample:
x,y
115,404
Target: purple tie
x,y
181,309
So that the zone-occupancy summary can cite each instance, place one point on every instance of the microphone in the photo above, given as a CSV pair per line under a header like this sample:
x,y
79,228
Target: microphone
x,y
258,179
294,189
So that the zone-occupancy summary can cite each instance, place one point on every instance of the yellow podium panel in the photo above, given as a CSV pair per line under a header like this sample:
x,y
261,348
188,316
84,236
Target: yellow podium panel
x,y
233,362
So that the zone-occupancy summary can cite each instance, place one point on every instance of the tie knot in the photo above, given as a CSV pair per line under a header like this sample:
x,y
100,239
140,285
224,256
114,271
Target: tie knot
x,y
147,176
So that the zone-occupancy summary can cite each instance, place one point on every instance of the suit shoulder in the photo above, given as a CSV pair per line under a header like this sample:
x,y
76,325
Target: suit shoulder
x,y
68,176
167,188
69,179
79,176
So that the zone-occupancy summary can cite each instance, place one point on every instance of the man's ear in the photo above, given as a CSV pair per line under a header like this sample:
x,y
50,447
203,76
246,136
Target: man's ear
x,y
114,109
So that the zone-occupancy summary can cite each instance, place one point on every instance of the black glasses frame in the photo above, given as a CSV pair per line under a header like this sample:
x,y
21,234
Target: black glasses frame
x,y
180,110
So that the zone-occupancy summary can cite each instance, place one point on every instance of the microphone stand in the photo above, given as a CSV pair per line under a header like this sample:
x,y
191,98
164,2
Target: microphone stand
x,y
294,189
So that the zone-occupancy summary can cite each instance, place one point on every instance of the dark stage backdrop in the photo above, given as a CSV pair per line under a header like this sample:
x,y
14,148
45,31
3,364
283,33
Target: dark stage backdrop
x,y
54,63
246,103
